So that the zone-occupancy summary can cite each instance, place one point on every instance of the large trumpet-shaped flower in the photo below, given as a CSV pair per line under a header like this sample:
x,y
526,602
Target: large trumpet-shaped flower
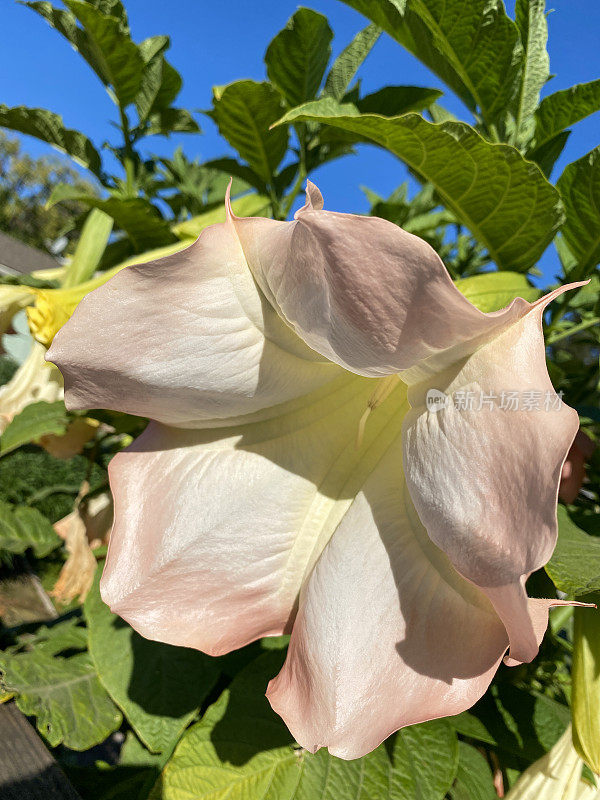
x,y
248,508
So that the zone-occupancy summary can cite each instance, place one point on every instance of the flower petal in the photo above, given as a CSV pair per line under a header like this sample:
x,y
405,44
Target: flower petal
x,y
363,292
485,482
35,380
185,340
215,531
387,633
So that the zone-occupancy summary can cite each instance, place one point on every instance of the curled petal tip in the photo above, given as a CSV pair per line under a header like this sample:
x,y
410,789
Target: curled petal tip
x,y
314,199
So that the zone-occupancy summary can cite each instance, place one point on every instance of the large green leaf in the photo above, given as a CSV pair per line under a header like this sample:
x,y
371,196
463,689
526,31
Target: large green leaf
x,y
22,528
103,40
474,47
531,20
297,57
492,291
48,127
64,694
392,101
36,419
563,109
160,83
90,248
244,112
504,200
346,65
117,59
158,687
141,221
474,780
575,563
579,186
241,749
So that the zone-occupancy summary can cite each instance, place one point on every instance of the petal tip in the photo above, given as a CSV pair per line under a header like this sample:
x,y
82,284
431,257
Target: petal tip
x,y
314,200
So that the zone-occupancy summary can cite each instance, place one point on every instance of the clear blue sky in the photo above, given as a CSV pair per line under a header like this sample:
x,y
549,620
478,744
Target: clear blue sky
x,y
219,42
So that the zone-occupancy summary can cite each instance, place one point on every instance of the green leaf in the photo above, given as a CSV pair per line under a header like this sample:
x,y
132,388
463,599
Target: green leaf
x,y
158,687
48,127
546,155
575,563
563,109
232,168
244,112
90,247
530,17
474,47
161,83
492,291
346,65
103,41
297,57
469,725
65,696
579,186
171,120
36,419
392,101
415,773
503,199
117,60
142,222
242,749
474,779
22,528
251,205
585,697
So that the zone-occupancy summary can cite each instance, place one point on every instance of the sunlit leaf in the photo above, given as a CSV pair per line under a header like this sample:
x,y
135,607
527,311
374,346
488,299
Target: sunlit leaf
x,y
563,109
504,200
117,59
474,47
48,127
575,563
297,57
242,750
244,112
63,694
346,65
530,16
579,186
90,247
492,291
23,528
36,419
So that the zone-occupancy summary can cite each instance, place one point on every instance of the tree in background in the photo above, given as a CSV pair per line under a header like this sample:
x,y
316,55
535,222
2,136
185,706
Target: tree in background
x,y
26,184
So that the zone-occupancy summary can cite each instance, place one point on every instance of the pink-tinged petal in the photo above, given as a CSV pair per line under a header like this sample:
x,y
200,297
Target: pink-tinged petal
x,y
387,633
365,293
485,482
186,340
216,530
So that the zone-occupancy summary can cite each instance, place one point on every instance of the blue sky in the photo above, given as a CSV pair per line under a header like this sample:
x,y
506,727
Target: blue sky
x,y
218,42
